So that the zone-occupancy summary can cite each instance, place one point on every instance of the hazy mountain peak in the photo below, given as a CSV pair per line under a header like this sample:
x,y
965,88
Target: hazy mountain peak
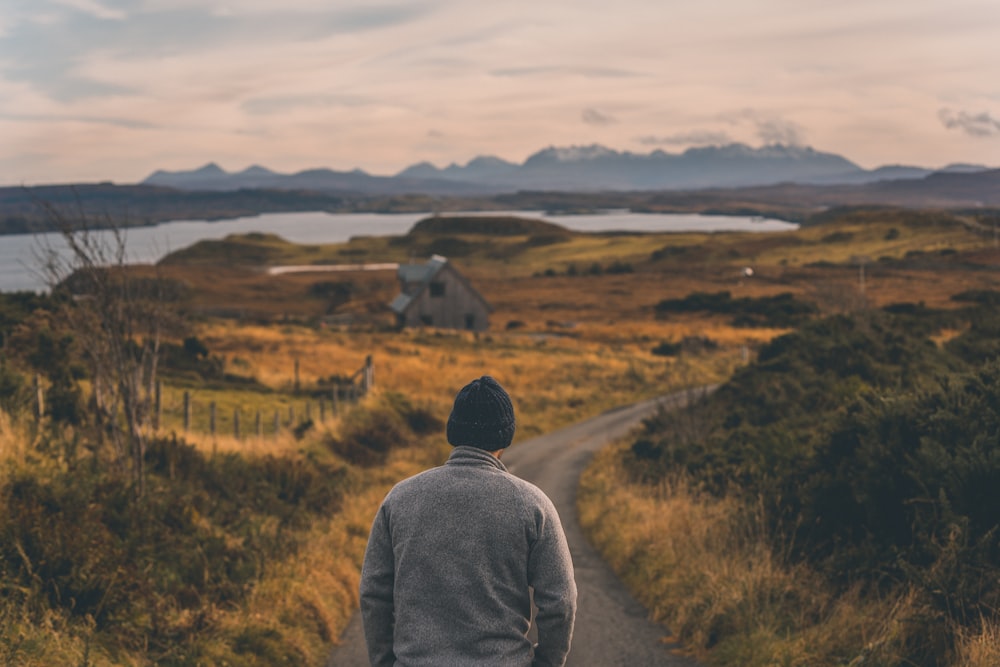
x,y
256,170
571,154
575,168
422,169
210,169
489,161
963,168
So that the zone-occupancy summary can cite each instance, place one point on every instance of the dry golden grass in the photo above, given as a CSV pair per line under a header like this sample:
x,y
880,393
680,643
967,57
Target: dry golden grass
x,y
310,598
54,640
251,445
979,648
553,380
14,438
705,568
41,637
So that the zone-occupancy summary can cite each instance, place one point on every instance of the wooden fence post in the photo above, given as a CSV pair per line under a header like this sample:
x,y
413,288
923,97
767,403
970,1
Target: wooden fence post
x,y
277,422
187,411
336,397
211,418
157,405
291,416
322,410
297,375
236,423
260,425
368,378
39,398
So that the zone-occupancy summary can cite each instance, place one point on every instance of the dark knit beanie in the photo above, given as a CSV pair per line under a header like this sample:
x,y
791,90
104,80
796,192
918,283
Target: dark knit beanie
x,y
483,416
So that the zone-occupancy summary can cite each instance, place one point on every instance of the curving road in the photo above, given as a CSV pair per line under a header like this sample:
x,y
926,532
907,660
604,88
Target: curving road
x,y
612,629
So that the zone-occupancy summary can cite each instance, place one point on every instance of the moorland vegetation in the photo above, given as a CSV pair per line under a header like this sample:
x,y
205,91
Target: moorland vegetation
x,y
827,505
832,503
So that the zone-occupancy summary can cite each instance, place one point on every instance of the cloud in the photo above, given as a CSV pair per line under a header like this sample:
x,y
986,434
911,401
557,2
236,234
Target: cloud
x,y
127,123
778,131
592,116
50,56
975,125
692,138
263,106
769,128
48,43
94,8
564,70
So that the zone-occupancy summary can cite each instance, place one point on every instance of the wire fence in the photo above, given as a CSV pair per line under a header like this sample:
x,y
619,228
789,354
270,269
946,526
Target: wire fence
x,y
190,411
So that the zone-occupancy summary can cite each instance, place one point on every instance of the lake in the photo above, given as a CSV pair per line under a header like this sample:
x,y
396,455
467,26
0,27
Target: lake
x,y
21,254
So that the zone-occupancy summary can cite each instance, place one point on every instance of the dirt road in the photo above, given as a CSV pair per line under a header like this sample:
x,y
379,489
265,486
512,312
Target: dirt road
x,y
611,627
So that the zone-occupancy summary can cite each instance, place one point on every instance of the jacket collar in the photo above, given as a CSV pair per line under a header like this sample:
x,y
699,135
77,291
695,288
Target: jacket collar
x,y
473,456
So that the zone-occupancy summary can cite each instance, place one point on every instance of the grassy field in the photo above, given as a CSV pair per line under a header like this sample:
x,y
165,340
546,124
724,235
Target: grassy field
x,y
576,320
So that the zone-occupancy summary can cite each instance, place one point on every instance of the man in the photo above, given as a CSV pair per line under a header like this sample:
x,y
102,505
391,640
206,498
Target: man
x,y
454,551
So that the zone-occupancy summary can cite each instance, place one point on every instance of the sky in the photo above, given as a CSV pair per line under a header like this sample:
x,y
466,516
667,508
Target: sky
x,y
111,90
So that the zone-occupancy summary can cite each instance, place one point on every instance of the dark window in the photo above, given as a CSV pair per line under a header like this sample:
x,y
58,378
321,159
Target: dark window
x,y
427,320
437,289
470,321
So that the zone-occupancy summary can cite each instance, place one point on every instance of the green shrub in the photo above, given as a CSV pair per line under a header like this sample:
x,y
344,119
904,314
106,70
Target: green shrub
x,y
367,436
983,297
981,341
781,310
667,349
906,487
14,394
763,425
619,267
191,359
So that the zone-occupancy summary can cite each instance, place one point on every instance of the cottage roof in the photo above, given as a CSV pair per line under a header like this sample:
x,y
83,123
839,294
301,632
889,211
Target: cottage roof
x,y
413,273
400,303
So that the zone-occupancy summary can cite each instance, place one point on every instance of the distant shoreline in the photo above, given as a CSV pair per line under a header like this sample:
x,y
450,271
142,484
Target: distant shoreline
x,y
148,244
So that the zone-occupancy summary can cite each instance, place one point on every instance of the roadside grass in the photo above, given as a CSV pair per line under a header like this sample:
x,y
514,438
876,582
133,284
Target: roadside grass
x,y
979,647
706,568
14,438
307,600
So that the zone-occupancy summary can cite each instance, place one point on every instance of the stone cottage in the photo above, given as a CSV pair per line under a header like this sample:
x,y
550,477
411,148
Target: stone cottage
x,y
435,294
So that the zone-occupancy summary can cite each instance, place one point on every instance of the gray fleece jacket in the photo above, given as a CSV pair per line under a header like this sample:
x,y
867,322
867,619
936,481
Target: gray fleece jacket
x,y
451,556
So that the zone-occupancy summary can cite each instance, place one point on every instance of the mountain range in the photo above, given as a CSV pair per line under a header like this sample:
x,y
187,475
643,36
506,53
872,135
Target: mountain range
x,y
574,168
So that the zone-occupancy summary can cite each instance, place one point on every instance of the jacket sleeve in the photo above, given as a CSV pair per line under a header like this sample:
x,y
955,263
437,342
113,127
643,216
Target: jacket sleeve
x,y
550,572
377,579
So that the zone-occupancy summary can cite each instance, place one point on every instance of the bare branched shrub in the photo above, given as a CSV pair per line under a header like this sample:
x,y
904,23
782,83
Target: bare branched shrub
x,y
117,318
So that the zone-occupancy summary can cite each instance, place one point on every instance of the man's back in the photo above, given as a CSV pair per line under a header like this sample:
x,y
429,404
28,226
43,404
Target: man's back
x,y
452,555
